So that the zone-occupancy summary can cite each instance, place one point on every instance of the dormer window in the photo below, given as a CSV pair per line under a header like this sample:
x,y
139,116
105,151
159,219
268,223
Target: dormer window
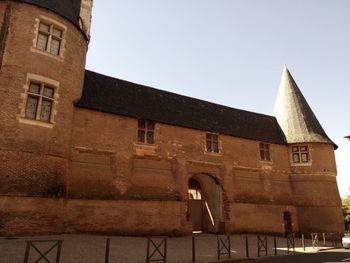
x,y
145,133
300,154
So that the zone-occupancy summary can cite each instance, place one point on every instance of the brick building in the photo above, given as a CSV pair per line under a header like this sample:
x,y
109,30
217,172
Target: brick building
x,y
84,152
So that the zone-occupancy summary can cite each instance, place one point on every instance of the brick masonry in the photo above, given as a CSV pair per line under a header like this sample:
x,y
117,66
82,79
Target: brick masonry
x,y
87,173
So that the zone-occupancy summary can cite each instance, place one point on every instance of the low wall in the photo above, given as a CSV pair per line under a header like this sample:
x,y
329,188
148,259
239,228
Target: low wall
x,y
29,216
326,219
260,218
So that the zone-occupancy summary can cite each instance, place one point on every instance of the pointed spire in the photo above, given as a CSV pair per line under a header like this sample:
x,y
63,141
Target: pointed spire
x,y
294,114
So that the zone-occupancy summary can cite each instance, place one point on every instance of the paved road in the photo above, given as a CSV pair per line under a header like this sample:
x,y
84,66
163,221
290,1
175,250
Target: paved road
x,y
330,256
92,249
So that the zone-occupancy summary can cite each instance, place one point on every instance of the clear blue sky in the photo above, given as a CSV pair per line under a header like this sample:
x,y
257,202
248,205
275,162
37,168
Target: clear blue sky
x,y
232,52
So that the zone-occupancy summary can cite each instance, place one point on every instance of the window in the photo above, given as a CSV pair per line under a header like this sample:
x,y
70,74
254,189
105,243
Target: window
x,y
40,98
49,38
212,142
145,133
265,152
300,154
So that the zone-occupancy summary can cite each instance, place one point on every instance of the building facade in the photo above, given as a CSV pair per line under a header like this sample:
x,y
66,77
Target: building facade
x,y
83,152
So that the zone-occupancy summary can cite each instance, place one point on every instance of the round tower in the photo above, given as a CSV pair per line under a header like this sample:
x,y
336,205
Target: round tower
x,y
312,161
43,47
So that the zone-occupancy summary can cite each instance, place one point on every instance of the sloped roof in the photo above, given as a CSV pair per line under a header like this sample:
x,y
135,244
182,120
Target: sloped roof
x,y
294,114
121,97
69,9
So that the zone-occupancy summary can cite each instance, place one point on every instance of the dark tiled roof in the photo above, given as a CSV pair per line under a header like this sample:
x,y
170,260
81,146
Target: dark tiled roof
x,y
295,116
70,9
117,96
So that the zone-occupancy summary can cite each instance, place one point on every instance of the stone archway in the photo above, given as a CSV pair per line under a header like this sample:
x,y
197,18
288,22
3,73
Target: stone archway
x,y
204,203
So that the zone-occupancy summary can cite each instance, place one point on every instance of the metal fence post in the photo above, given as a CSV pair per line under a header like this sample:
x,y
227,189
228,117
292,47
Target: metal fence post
x,y
158,244
224,244
303,241
290,242
26,255
193,248
275,244
43,254
246,246
107,251
262,245
314,239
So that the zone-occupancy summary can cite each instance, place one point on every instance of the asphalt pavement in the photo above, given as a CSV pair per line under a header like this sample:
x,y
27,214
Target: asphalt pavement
x,y
329,256
203,248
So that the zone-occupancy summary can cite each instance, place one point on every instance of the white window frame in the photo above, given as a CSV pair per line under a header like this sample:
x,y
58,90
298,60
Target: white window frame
x,y
298,152
210,140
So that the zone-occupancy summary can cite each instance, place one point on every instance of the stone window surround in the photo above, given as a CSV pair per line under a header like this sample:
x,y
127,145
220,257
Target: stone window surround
x,y
59,25
24,95
309,163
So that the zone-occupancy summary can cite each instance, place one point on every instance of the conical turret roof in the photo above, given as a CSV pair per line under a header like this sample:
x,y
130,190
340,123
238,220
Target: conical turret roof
x,y
69,9
294,114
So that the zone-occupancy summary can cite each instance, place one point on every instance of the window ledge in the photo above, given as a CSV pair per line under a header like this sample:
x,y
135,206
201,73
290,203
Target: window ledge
x,y
213,153
301,164
36,123
145,149
45,53
266,162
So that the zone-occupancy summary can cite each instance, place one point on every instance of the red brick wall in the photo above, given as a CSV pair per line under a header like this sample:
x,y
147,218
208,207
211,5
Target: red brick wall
x,y
30,215
35,156
107,159
112,182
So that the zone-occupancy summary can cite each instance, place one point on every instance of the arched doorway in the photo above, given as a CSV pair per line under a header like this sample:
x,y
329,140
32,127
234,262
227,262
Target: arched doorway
x,y
204,199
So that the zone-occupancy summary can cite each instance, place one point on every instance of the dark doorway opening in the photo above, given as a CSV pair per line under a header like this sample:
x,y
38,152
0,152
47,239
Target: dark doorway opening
x,y
204,199
287,219
195,205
